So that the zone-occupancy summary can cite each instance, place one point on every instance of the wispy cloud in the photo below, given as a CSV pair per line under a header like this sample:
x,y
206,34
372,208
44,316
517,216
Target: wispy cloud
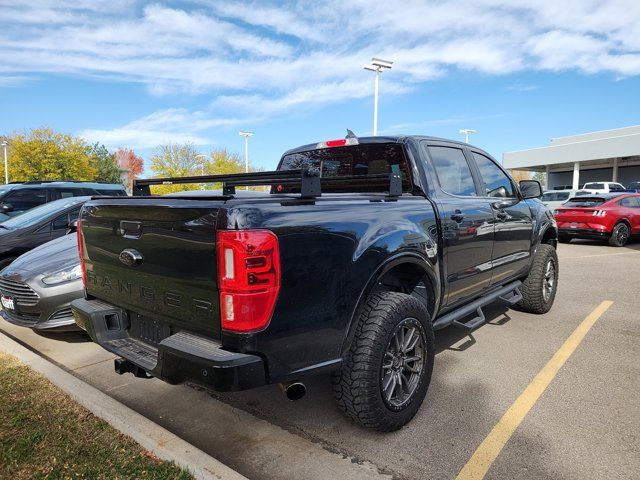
x,y
520,87
163,126
264,57
461,120
272,48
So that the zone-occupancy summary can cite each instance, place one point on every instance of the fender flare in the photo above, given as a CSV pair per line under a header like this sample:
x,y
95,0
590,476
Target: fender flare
x,y
393,261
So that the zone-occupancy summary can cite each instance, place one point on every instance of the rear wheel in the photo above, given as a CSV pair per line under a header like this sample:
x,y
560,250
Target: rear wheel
x,y
619,235
539,288
387,369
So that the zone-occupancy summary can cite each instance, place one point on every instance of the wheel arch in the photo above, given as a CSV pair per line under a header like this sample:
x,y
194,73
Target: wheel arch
x,y
398,272
550,236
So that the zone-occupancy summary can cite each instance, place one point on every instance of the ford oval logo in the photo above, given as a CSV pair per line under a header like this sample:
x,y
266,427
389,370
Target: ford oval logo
x,y
130,257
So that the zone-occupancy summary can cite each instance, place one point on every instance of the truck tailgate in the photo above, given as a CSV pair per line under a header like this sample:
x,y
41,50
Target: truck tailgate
x,y
156,259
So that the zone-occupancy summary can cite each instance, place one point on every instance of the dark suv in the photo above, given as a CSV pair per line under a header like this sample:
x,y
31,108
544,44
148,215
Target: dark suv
x,y
15,198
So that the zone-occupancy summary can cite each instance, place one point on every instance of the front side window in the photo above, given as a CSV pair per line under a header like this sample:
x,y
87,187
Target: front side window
x,y
496,182
453,171
61,222
614,187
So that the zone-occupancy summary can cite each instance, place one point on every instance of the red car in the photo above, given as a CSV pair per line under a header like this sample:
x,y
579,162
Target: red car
x,y
614,217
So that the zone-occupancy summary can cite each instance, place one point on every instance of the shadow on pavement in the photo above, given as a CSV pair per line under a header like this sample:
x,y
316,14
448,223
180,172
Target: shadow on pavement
x,y
67,337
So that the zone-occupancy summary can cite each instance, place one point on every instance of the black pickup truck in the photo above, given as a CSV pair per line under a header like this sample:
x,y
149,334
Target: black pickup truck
x,y
362,248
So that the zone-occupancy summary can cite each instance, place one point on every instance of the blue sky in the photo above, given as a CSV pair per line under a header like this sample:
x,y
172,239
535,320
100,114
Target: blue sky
x,y
138,74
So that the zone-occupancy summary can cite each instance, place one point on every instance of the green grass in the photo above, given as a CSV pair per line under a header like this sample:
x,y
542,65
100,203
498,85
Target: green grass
x,y
45,434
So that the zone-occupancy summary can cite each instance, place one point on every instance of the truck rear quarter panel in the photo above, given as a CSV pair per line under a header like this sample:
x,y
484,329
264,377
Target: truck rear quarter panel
x,y
330,249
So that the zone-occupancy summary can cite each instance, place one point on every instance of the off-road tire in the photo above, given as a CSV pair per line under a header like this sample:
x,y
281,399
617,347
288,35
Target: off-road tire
x,y
533,298
358,385
619,235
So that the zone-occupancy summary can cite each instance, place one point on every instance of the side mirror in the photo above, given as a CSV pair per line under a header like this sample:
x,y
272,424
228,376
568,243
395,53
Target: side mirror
x,y
6,207
72,227
530,189
499,192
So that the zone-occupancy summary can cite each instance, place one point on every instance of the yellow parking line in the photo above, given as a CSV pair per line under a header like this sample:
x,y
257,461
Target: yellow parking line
x,y
478,465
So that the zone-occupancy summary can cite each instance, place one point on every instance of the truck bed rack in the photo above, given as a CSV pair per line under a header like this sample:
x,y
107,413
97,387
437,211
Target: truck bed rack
x,y
309,180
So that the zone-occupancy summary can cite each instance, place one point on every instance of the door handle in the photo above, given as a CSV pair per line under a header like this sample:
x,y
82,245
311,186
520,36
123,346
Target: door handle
x,y
501,215
457,216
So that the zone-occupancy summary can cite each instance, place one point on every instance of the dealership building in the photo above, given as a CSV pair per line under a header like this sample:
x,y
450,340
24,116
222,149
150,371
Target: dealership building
x,y
605,156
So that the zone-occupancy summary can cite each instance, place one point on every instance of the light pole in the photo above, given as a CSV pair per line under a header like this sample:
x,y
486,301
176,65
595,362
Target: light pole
x,y
377,65
246,136
6,164
466,132
201,168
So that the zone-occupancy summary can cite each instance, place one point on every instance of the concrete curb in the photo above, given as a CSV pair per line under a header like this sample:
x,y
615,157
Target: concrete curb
x,y
164,444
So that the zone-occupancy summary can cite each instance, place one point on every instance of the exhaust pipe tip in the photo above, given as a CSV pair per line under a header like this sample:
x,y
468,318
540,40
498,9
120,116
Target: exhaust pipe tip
x,y
294,390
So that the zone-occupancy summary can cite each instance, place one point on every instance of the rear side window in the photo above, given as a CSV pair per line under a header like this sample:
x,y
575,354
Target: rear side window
x,y
58,193
496,182
364,159
25,198
614,187
584,202
453,171
112,193
630,202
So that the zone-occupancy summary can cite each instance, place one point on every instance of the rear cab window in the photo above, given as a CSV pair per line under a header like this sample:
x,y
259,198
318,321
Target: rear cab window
x,y
362,159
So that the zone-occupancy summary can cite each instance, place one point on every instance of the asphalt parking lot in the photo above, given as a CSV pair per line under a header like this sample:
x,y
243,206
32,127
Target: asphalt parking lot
x,y
585,424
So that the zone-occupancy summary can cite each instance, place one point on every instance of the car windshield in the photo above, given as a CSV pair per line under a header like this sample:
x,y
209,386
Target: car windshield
x,y
548,197
35,215
585,202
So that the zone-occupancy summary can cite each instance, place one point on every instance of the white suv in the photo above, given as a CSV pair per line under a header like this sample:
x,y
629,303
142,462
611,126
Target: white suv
x,y
600,187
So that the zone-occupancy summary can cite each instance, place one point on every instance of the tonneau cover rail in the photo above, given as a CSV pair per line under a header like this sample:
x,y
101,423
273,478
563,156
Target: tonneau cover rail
x,y
308,178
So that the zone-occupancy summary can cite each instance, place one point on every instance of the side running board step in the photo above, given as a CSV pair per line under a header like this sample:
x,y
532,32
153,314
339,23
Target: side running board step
x,y
472,324
509,293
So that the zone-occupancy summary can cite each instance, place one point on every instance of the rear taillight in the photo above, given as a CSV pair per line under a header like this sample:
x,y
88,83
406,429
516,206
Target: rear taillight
x,y
248,278
599,213
81,253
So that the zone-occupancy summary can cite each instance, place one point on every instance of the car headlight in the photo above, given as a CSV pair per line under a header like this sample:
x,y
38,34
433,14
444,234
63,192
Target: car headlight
x,y
66,275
